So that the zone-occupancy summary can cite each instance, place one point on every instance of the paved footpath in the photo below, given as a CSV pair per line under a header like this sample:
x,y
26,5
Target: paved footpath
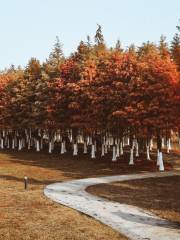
x,y
131,221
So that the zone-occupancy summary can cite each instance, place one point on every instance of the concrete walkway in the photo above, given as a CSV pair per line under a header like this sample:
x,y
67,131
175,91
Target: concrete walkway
x,y
131,221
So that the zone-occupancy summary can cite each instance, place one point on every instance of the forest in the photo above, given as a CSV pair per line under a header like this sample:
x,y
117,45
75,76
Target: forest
x,y
100,97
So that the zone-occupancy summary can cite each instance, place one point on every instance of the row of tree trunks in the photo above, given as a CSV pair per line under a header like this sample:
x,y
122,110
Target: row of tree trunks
x,y
73,139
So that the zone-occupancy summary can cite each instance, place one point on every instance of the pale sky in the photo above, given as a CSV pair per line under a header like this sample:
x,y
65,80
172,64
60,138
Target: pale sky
x,y
29,27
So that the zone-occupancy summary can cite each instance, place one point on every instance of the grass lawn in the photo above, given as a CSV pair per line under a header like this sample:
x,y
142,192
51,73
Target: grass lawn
x,y
160,196
29,215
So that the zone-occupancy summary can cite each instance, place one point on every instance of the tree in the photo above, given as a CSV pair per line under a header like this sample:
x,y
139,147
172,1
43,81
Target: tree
x,y
147,48
178,26
175,50
89,44
118,46
103,94
5,79
132,49
56,58
163,47
99,38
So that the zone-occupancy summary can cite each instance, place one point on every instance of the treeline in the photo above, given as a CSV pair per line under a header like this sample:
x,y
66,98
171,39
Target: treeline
x,y
96,92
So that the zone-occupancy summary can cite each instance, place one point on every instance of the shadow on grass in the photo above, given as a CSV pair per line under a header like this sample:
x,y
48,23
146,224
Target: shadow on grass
x,y
81,166
30,180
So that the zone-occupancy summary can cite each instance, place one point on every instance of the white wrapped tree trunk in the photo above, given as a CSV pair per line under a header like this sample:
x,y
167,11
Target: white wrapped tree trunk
x,y
131,162
168,145
128,141
105,149
137,149
148,152
117,150
111,141
123,142
2,143
163,143
50,147
90,140
58,137
158,157
121,148
93,151
19,145
114,154
134,143
85,147
151,144
161,165
102,150
75,149
62,147
81,139
71,137
37,146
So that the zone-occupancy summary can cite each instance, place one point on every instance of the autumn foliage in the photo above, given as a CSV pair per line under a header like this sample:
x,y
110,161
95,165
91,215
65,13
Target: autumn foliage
x,y
96,91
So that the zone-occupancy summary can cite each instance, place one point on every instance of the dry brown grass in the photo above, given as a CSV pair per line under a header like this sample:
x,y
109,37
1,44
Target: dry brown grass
x,y
29,215
158,195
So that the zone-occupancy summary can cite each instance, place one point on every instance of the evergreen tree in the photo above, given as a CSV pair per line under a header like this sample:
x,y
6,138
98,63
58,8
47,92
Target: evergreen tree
x,y
99,38
147,48
175,50
88,41
56,55
82,51
178,26
132,49
118,46
56,58
33,69
163,47
99,47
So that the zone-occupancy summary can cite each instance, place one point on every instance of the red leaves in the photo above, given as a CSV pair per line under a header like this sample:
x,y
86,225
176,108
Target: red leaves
x,y
96,91
73,105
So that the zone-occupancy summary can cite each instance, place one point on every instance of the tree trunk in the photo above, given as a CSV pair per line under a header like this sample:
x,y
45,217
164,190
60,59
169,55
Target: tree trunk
x,y
131,162
114,154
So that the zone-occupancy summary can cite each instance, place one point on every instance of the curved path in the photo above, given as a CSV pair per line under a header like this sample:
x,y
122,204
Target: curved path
x,y
129,220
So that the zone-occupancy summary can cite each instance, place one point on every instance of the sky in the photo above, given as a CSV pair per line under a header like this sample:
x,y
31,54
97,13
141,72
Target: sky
x,y
28,28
